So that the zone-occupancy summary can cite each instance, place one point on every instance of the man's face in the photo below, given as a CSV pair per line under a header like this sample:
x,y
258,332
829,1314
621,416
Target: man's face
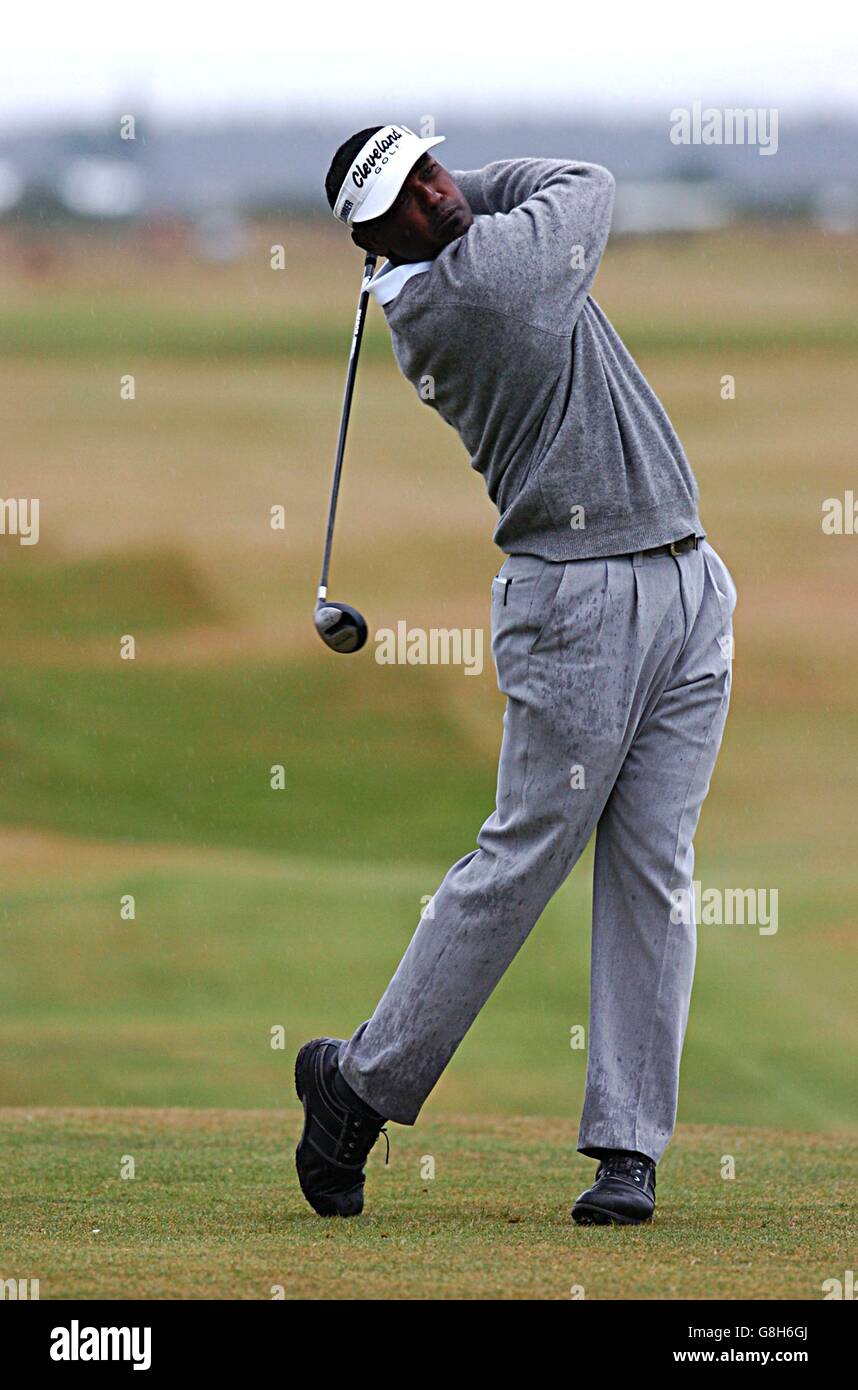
x,y
430,212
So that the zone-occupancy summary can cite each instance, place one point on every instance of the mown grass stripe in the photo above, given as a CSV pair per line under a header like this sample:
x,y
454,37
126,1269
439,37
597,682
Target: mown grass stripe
x,y
65,332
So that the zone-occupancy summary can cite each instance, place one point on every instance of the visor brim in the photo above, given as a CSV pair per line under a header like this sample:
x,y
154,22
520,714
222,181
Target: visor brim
x,y
387,186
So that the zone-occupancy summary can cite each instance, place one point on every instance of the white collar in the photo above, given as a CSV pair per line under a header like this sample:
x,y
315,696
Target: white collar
x,y
387,282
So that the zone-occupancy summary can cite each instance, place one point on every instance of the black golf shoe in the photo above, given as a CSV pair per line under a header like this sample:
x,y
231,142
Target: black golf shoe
x,y
339,1131
622,1195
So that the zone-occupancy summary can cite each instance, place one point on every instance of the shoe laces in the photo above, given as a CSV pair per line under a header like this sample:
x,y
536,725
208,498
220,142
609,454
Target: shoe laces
x,y
626,1165
361,1134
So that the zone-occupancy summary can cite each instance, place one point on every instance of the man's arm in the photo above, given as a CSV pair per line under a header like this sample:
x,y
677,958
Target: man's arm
x,y
541,227
507,183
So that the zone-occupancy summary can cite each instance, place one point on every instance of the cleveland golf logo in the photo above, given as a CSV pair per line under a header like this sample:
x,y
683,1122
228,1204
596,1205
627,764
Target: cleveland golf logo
x,y
76,1343
377,155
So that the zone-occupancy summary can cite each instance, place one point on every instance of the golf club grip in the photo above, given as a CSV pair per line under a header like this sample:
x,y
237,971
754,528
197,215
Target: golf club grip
x,y
360,318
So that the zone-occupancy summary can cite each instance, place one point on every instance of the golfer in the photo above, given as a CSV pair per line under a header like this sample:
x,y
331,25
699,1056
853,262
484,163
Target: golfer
x,y
612,640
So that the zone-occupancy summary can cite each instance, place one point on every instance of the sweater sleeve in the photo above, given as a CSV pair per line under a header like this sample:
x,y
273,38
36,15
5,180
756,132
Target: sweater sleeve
x,y
505,184
540,227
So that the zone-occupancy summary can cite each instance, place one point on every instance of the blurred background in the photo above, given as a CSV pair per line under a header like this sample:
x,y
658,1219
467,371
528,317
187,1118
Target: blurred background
x,y
167,379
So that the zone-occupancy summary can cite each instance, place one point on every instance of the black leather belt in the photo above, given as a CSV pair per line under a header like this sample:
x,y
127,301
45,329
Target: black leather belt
x,y
674,548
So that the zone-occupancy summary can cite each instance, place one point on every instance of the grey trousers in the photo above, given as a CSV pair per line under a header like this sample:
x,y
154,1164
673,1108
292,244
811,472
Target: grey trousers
x,y
617,675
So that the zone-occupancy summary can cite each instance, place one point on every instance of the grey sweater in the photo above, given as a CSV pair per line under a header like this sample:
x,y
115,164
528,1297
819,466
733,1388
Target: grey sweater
x,y
502,338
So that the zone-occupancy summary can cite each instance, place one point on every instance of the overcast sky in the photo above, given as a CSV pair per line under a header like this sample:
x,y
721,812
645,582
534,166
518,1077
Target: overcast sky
x,y
187,59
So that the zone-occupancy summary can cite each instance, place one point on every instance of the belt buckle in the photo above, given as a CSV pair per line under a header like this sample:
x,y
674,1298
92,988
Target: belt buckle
x,y
673,550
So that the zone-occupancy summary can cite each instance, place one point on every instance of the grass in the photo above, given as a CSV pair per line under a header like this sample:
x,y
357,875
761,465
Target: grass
x,y
177,1005
213,1212
95,596
114,332
258,909
187,756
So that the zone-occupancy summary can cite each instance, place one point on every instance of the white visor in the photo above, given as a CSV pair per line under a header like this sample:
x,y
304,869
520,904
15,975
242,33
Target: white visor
x,y
376,176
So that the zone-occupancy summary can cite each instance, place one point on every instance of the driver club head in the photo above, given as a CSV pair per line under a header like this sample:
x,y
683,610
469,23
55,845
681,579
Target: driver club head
x,y
341,627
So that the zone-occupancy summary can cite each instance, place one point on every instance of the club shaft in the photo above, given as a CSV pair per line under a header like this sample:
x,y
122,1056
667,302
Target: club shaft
x,y
360,318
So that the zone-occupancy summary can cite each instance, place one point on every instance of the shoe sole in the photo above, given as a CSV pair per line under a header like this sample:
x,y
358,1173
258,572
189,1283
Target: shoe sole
x,y
321,1204
588,1215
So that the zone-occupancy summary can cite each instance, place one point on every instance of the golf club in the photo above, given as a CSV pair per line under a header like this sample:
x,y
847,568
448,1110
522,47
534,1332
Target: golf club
x,y
341,627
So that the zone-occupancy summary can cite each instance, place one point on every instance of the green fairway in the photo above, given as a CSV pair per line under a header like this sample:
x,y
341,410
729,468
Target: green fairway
x,y
177,1006
214,336
213,1211
187,756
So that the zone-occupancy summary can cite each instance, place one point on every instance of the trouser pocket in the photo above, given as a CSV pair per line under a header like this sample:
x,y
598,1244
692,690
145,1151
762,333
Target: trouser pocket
x,y
722,581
